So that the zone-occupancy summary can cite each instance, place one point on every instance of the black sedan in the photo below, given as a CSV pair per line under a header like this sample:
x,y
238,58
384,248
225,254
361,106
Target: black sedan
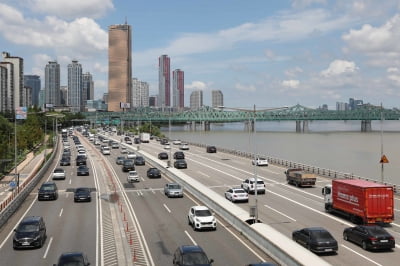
x,y
65,161
369,237
48,190
179,155
180,164
82,170
73,258
153,173
163,156
139,160
316,239
82,194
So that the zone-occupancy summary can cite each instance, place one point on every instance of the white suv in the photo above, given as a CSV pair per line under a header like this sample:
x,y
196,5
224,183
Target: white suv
x,y
200,217
249,185
106,150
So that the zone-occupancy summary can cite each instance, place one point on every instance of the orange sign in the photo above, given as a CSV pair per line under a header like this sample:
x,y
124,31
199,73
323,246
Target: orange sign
x,y
384,159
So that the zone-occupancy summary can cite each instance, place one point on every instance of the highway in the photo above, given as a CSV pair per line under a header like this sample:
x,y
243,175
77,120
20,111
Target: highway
x,y
157,224
284,207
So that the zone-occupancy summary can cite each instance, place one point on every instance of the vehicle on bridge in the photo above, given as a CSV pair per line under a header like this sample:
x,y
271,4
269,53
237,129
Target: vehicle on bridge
x,y
30,232
300,178
132,177
369,237
316,239
144,137
48,190
82,194
260,161
191,255
72,258
360,200
237,194
173,190
200,217
250,185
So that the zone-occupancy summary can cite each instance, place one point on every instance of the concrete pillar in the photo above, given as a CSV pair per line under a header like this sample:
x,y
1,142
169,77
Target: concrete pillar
x,y
305,126
366,126
298,126
207,125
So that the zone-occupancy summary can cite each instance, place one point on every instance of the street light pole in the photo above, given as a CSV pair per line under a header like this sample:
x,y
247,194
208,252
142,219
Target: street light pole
x,y
254,110
169,138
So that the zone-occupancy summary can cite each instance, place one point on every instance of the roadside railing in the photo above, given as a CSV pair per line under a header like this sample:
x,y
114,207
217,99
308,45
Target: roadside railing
x,y
17,197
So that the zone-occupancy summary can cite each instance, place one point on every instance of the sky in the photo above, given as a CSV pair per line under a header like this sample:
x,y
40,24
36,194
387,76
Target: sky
x,y
267,53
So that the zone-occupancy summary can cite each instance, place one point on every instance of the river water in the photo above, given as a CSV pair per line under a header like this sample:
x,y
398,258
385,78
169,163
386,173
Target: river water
x,y
336,145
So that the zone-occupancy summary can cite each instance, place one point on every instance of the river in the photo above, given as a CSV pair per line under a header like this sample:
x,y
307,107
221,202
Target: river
x,y
335,145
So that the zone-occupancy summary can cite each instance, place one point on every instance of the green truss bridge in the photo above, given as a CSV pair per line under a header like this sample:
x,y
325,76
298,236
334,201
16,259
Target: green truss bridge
x,y
207,115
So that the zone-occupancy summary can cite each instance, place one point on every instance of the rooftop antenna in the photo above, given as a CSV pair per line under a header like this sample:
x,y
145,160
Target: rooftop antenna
x,y
126,20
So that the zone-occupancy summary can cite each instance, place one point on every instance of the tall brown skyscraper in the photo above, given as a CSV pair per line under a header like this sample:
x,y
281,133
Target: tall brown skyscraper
x,y
119,66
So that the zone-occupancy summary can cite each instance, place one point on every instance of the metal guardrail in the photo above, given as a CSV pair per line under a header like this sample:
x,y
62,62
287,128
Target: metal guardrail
x,y
329,173
14,201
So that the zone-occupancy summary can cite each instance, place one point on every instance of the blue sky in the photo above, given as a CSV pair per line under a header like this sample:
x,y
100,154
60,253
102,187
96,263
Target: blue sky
x,y
269,53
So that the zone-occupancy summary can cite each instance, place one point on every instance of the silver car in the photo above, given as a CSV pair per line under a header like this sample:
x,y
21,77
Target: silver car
x,y
173,190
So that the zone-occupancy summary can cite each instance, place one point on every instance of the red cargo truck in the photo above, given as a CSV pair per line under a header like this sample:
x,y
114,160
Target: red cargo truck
x,y
361,201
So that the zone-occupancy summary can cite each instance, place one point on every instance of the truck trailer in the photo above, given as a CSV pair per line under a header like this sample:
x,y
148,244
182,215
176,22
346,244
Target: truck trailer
x,y
144,137
300,178
359,200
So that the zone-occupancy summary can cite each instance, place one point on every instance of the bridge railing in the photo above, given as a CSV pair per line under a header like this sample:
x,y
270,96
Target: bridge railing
x,y
329,173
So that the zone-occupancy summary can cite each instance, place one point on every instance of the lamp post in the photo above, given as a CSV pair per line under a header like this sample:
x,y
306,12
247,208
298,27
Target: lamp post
x,y
169,138
254,111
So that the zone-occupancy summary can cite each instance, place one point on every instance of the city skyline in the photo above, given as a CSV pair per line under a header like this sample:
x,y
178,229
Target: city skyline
x,y
269,53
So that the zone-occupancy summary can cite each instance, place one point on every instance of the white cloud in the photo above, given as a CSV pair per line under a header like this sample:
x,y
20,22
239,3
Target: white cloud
x,y
72,8
293,72
101,67
338,67
10,15
196,85
392,70
242,87
291,83
306,3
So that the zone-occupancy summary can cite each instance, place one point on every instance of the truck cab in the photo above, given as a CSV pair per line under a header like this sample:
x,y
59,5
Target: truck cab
x,y
327,193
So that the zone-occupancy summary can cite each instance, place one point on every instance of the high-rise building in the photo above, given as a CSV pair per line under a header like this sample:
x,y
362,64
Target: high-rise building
x,y
52,84
196,99
164,81
178,88
33,82
6,92
140,93
26,97
87,87
64,95
153,100
16,74
119,66
217,98
75,87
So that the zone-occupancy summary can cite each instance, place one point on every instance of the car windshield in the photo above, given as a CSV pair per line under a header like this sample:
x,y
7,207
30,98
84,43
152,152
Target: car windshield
x,y
194,259
82,190
71,261
321,234
24,228
203,213
47,188
174,186
58,171
375,230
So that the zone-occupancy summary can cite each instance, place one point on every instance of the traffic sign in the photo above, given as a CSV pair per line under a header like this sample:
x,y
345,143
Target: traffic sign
x,y
384,159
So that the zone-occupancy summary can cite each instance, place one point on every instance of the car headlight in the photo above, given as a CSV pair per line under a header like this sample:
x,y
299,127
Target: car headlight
x,y
36,237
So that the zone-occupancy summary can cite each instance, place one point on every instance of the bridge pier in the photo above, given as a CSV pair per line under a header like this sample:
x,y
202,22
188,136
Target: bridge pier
x,y
366,126
249,125
300,128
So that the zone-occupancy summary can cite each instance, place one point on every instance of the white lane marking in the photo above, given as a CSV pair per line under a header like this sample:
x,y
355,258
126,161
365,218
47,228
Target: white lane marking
x,y
361,255
62,209
70,181
280,213
99,218
165,206
191,239
48,247
22,217
204,174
